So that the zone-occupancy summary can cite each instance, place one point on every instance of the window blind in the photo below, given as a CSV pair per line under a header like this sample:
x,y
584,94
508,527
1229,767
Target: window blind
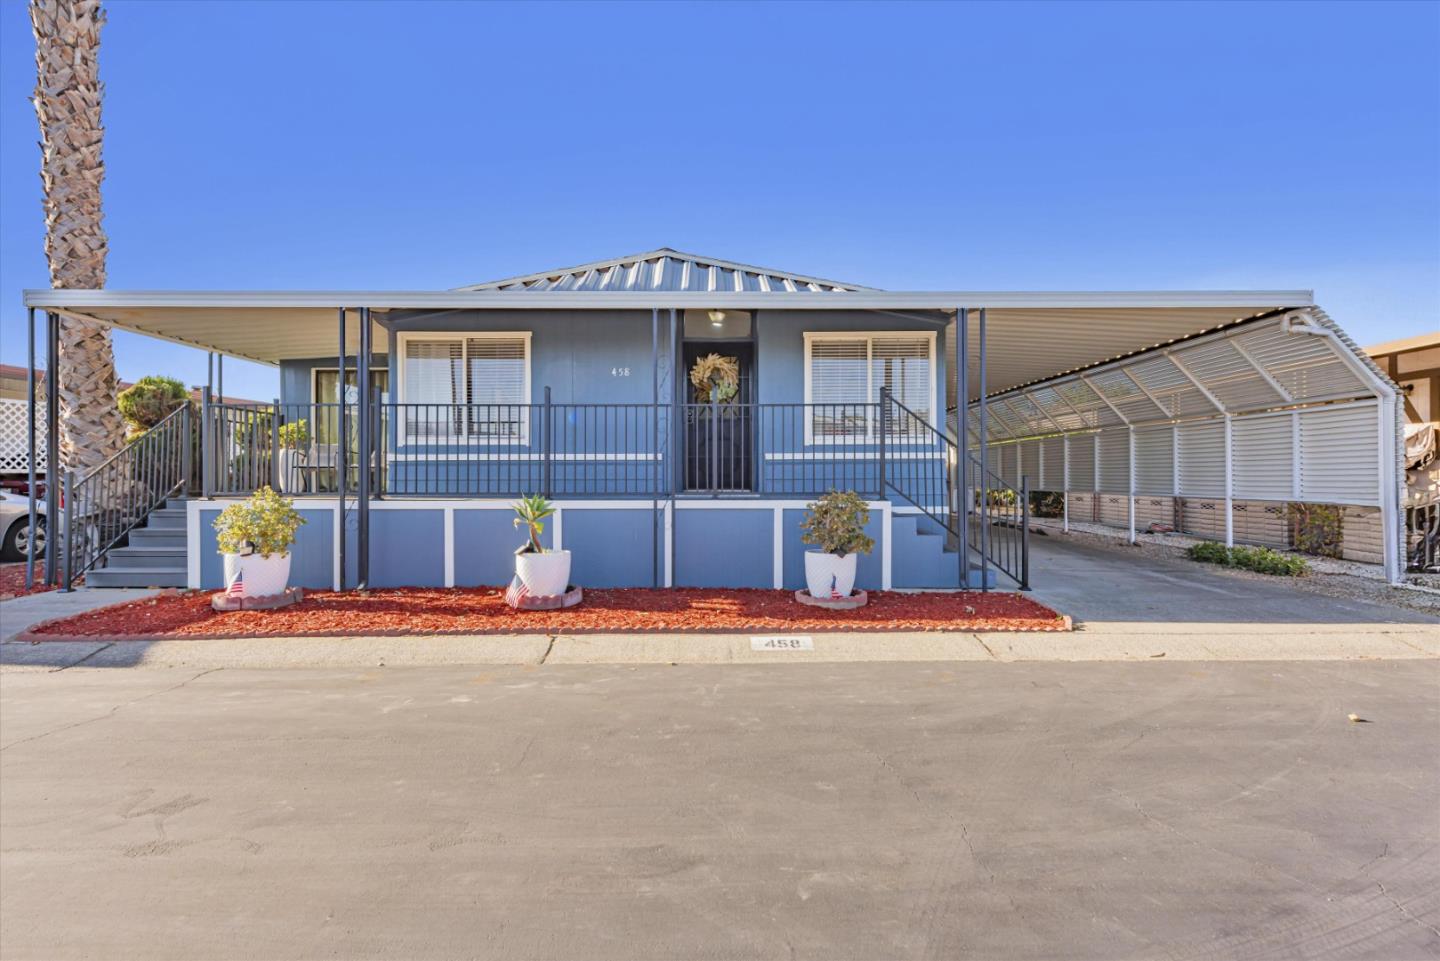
x,y
477,386
851,370
903,365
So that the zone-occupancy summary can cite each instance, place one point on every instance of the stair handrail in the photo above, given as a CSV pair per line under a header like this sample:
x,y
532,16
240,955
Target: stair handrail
x,y
1010,514
110,501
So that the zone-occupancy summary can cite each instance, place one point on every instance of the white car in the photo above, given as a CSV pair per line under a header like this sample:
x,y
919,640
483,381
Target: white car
x,y
15,538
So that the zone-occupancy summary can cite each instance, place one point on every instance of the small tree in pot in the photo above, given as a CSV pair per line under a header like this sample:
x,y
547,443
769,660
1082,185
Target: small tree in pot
x,y
294,449
836,524
255,538
544,573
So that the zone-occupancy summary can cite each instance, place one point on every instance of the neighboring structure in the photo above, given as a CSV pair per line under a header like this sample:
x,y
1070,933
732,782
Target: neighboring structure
x,y
577,383
1414,365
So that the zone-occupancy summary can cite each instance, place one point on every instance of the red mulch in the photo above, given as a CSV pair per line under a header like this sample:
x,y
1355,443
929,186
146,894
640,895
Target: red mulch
x,y
482,610
12,581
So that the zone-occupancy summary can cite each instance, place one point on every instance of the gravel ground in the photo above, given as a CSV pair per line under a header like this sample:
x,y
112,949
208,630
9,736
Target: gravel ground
x,y
1333,578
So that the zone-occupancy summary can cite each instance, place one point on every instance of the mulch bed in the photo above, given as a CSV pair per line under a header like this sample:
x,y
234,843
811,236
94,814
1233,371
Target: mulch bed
x,y
12,581
483,610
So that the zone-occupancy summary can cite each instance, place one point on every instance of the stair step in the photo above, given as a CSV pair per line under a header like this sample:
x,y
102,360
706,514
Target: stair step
x,y
167,519
114,576
157,537
149,557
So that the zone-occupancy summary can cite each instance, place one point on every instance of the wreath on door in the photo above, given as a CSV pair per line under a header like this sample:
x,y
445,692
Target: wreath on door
x,y
715,377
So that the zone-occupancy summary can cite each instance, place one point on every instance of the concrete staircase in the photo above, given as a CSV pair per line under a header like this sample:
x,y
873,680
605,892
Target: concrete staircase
x,y
154,555
921,557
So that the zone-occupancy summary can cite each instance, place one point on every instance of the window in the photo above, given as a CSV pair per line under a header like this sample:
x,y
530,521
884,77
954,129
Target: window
x,y
844,373
474,386
326,417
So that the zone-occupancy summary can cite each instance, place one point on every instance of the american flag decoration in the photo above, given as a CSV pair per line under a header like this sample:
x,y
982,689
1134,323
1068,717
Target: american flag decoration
x,y
834,587
516,592
237,586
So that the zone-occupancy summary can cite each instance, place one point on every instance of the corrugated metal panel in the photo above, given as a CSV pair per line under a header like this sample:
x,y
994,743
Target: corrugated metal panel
x,y
1115,461
1093,411
1229,376
1050,402
1202,459
667,270
1121,391
1305,365
1264,457
1052,477
1340,455
1030,462
1082,462
1175,392
1155,461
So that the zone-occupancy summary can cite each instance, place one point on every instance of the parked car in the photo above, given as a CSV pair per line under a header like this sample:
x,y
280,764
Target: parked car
x,y
15,524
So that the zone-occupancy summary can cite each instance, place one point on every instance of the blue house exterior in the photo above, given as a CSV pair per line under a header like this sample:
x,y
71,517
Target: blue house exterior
x,y
653,485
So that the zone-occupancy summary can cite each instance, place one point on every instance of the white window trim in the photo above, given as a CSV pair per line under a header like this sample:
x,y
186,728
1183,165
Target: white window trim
x,y
402,342
868,336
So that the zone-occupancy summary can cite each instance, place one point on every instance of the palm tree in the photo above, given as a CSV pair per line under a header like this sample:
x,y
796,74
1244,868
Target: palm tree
x,y
67,103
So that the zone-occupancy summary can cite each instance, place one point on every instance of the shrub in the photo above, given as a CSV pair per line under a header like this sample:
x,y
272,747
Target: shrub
x,y
1262,560
264,524
1047,504
836,524
531,513
150,400
1316,528
295,435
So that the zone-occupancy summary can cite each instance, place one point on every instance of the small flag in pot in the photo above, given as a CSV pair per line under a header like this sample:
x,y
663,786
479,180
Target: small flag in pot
x,y
516,592
237,586
834,587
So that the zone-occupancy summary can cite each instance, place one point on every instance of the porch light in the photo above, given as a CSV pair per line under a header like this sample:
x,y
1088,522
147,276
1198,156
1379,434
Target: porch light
x,y
717,318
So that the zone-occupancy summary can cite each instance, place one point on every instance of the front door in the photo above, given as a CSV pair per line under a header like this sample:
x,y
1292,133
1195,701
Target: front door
x,y
719,432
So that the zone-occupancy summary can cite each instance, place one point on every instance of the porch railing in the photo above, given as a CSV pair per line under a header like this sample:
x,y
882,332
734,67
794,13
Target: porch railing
x,y
103,507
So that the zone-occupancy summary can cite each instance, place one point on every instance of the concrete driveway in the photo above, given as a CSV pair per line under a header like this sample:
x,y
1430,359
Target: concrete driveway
x,y
965,810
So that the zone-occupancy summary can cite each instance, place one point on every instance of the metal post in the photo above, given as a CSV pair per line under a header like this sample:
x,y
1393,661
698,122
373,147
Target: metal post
x,y
676,426
546,454
362,489
207,443
52,446
69,526
220,376
655,445
1229,484
1132,484
962,441
884,427
984,468
1065,480
1024,533
30,443
210,371
342,449
275,445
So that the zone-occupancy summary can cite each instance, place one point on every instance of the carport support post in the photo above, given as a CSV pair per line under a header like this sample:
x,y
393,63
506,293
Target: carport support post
x,y
342,445
1065,482
984,468
654,444
1131,431
1229,483
30,443
52,445
362,490
207,445
963,502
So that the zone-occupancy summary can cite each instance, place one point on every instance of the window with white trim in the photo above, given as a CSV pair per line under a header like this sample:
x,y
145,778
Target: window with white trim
x,y
844,373
471,386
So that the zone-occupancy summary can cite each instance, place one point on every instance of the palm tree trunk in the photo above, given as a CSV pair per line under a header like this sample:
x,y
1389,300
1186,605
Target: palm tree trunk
x,y
67,103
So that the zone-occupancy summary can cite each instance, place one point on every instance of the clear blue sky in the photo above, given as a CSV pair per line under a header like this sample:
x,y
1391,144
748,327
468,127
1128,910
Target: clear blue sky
x,y
377,145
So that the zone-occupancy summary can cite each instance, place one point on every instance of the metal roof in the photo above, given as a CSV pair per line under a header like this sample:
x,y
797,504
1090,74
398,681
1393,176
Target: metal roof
x,y
665,269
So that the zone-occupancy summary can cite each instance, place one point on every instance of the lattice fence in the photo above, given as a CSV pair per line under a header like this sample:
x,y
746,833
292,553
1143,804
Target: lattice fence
x,y
14,452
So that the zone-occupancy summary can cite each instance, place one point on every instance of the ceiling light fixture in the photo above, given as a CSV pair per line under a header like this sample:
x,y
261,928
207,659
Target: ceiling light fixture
x,y
717,318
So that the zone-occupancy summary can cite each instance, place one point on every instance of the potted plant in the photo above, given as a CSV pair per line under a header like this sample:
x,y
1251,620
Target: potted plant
x,y
836,525
255,537
544,573
294,448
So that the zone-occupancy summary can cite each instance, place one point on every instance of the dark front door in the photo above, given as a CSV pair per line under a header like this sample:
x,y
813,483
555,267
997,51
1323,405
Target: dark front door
x,y
719,436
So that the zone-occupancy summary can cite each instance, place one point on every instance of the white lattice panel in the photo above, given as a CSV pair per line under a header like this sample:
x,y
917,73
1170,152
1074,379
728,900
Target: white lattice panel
x,y
14,452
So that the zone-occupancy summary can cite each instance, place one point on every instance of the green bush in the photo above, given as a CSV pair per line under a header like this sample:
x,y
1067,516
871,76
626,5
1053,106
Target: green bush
x,y
1262,560
836,524
264,524
150,400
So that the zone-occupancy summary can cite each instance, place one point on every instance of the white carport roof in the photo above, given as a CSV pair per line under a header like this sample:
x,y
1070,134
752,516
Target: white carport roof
x,y
1031,336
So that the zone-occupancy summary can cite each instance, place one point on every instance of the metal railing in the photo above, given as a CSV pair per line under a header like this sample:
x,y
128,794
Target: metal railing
x,y
1422,528
998,530
101,508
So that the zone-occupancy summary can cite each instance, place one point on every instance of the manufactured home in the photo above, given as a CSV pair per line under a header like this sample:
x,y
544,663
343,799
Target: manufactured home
x,y
409,421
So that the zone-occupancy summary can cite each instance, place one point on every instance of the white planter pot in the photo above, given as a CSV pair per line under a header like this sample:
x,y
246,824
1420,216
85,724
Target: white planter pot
x,y
544,575
264,576
826,572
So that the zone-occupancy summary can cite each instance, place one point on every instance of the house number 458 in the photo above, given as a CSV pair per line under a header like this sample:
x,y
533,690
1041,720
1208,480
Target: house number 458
x,y
619,371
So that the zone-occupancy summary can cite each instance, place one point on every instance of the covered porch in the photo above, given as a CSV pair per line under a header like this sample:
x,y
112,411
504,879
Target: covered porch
x,y
407,470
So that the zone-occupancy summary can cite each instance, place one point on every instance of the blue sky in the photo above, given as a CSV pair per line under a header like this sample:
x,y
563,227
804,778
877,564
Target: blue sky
x,y
378,145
